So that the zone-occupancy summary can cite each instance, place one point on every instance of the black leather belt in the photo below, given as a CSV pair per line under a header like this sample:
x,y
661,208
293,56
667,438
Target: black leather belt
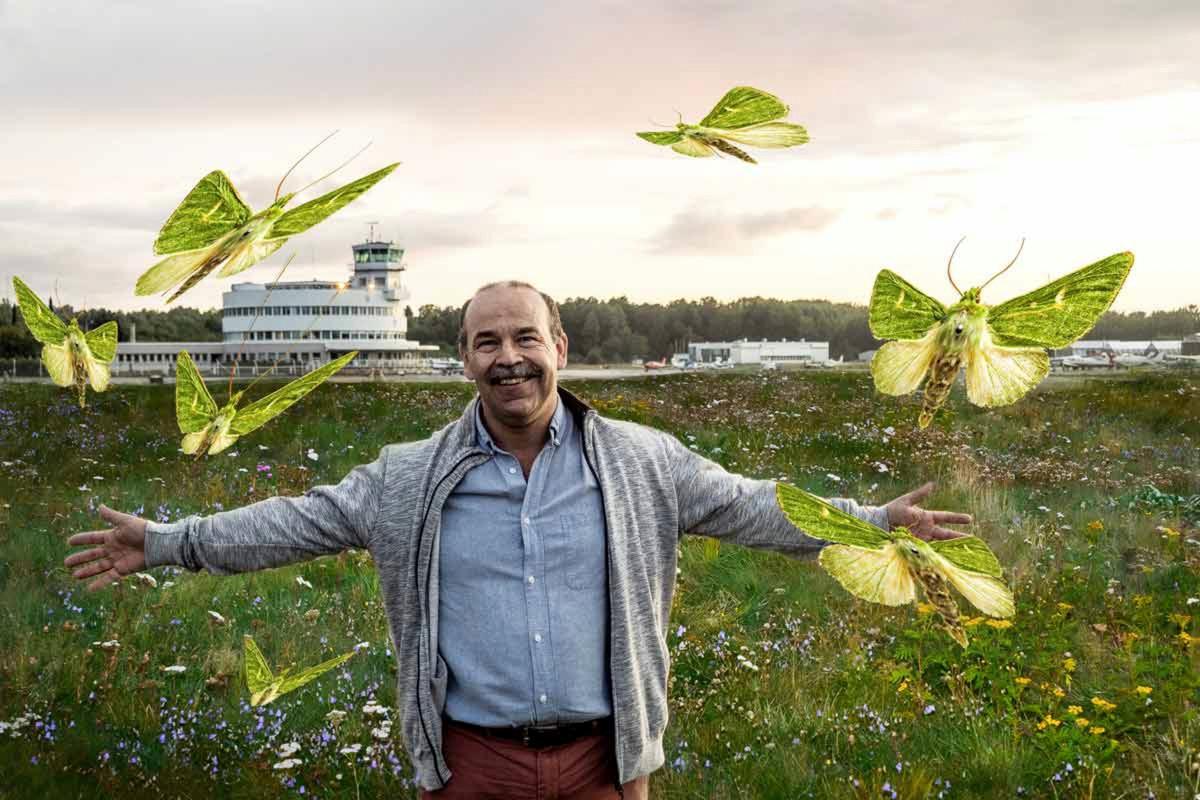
x,y
538,736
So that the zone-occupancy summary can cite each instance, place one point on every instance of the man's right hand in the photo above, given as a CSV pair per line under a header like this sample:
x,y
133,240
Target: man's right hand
x,y
120,550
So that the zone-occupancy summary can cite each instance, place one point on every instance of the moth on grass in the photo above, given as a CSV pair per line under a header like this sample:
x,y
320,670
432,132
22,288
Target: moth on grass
x,y
71,357
1002,348
887,566
209,428
265,686
214,226
744,115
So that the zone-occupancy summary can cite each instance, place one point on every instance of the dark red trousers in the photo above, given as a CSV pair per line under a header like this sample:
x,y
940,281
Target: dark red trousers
x,y
490,767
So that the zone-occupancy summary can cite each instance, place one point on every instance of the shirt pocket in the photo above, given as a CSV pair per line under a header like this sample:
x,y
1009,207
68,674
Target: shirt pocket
x,y
583,548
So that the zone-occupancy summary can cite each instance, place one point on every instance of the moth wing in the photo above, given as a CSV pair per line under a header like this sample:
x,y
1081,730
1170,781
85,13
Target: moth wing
x,y
97,372
969,553
220,442
900,310
194,405
173,269
985,592
822,520
880,576
43,323
743,106
899,367
769,134
58,364
267,408
293,682
303,217
1061,311
693,147
249,254
210,210
191,443
102,341
997,376
661,137
258,673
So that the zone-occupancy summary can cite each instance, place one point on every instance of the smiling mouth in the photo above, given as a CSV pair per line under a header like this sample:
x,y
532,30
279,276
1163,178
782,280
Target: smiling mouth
x,y
512,381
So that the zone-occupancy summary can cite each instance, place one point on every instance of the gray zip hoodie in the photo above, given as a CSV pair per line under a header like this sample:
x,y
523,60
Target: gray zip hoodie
x,y
654,489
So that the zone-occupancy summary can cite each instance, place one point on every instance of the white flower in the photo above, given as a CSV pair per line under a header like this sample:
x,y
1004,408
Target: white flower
x,y
374,708
832,477
1191,601
362,646
882,467
382,732
217,618
111,644
85,488
288,763
146,579
336,716
174,669
242,469
889,430
312,455
168,584
350,749
300,580
232,453
263,447
746,662
289,749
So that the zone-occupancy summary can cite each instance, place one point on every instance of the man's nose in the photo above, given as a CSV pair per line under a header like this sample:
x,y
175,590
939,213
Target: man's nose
x,y
508,352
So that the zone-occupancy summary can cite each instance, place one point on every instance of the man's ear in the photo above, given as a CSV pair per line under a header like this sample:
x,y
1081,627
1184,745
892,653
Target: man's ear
x,y
561,347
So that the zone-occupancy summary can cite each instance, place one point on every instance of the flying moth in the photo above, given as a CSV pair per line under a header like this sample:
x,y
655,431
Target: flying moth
x,y
744,115
1002,348
265,686
887,566
71,357
214,226
208,428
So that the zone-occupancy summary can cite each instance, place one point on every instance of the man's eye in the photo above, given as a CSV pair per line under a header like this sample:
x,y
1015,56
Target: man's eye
x,y
528,341
486,347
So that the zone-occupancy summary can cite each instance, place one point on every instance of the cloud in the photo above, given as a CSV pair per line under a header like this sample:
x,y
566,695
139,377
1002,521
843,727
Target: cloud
x,y
699,229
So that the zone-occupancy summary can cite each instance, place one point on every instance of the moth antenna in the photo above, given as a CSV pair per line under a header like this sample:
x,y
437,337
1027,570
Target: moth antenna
x,y
677,114
306,155
344,163
257,314
948,263
341,287
1001,272
657,124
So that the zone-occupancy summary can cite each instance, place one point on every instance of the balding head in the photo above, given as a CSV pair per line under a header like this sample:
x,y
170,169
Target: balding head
x,y
556,328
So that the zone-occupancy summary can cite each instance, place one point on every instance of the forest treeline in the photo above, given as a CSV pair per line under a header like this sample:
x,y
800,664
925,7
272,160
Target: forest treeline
x,y
612,330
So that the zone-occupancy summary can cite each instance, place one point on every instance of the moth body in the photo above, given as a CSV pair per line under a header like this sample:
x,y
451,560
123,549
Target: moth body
x,y
242,246
720,144
215,437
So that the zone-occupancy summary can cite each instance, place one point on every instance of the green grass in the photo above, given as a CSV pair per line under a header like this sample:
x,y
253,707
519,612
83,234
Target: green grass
x,y
847,698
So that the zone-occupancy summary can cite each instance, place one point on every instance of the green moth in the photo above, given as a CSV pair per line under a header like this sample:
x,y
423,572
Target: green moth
x,y
887,566
745,115
265,686
71,357
214,226
1003,348
206,427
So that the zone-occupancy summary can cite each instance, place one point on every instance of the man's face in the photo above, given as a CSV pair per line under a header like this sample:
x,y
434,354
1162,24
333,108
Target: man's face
x,y
511,355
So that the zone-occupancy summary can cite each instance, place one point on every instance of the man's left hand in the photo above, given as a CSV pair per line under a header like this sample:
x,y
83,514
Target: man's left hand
x,y
921,523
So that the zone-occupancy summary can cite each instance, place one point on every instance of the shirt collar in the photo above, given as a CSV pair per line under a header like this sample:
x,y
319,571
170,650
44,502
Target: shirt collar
x,y
484,439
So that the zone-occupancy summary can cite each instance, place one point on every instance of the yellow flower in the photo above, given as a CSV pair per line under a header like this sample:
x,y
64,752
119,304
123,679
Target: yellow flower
x,y
1074,710
1102,704
1000,624
1069,665
1082,722
1187,639
1096,525
1167,532
1049,720
1142,600
903,686
1096,731
925,608
1144,690
1182,620
971,622
1022,681
1059,692
1065,606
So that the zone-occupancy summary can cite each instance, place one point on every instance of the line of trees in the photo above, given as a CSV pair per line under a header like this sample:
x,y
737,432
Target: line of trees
x,y
612,330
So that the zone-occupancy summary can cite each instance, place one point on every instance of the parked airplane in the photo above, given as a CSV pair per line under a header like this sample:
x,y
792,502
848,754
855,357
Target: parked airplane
x,y
649,365
1151,356
1108,359
446,366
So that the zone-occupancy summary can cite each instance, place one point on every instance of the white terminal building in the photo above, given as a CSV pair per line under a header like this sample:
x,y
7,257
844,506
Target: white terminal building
x,y
744,351
303,324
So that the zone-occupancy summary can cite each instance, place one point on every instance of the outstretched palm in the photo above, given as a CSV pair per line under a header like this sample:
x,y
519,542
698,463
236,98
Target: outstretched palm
x,y
922,523
120,550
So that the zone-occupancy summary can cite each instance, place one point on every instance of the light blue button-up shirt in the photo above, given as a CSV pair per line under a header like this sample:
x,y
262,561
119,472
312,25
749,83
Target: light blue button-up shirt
x,y
523,596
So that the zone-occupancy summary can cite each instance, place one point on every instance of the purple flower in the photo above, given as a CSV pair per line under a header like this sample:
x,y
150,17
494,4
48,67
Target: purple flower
x,y
929,709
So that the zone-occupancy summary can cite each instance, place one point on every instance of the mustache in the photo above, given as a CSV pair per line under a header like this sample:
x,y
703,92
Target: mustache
x,y
525,370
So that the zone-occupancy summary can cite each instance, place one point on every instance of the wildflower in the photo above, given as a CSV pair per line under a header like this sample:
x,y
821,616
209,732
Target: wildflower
x,y
1102,704
174,669
925,608
217,618
1187,639
971,622
1182,620
312,455
1144,690
1082,722
1096,731
148,580
1000,624
1058,692
1048,721
1074,710
1191,601
350,749
1142,600
1064,607
288,763
300,580
1095,525
1022,681
929,709
289,749
312,614
1069,664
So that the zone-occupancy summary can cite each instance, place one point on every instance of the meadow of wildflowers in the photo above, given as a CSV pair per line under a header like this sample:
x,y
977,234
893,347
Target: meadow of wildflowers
x,y
782,685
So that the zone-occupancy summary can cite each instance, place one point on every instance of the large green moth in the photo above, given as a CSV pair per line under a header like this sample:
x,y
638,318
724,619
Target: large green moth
x,y
745,115
265,686
206,427
71,357
887,566
214,226
1002,347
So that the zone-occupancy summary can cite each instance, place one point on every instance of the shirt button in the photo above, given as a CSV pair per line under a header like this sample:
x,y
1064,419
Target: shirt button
x,y
537,637
512,470
526,520
542,699
531,579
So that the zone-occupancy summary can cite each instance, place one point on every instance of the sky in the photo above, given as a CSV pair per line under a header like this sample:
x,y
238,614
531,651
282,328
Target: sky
x,y
1072,125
